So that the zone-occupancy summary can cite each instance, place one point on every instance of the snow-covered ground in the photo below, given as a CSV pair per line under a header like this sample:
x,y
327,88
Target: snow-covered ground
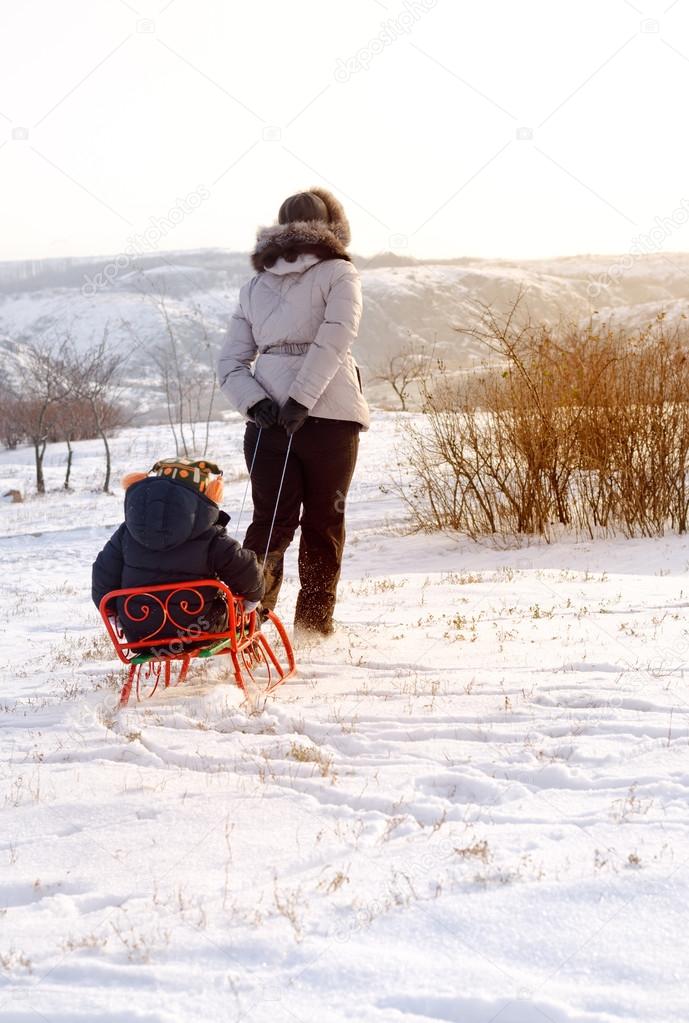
x,y
471,805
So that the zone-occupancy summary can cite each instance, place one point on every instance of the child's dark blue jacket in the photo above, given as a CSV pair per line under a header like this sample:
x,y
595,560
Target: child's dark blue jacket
x,y
172,533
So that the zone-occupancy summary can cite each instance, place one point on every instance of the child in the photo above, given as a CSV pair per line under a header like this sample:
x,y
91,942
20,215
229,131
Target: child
x,y
173,530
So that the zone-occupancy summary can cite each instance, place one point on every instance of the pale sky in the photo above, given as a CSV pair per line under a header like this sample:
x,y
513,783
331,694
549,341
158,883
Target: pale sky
x,y
411,111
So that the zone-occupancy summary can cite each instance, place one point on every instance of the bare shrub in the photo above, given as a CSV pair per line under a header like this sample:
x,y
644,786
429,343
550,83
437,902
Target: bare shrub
x,y
568,427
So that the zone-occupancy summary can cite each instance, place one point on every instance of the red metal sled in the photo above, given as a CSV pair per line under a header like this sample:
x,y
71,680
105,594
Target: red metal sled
x,y
262,658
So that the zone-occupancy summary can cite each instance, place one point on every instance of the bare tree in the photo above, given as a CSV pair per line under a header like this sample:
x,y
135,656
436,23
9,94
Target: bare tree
x,y
44,382
96,379
11,430
187,371
70,421
169,360
402,369
207,392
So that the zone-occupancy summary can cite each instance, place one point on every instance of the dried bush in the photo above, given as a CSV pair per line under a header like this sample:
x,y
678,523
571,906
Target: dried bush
x,y
567,427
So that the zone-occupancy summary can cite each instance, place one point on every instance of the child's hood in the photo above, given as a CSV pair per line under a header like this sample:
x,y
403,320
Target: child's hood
x,y
162,514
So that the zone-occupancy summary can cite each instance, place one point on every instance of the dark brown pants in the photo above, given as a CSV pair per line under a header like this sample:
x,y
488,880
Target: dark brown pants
x,y
319,470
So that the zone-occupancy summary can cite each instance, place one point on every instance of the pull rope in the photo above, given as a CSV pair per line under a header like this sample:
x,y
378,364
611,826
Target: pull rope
x,y
248,481
277,499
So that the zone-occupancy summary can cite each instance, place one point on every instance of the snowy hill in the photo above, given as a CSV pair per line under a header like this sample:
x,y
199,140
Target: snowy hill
x,y
469,805
406,302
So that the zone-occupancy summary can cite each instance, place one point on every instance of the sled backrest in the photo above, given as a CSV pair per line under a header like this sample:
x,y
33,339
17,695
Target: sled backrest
x,y
168,620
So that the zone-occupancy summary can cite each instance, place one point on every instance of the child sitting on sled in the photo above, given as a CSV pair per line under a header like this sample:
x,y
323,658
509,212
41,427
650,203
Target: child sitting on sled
x,y
173,531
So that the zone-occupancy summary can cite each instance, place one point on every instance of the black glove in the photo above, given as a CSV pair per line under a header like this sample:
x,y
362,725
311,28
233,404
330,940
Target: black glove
x,y
292,416
264,413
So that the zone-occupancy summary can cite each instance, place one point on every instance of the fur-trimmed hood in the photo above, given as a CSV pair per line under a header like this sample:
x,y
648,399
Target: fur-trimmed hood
x,y
325,240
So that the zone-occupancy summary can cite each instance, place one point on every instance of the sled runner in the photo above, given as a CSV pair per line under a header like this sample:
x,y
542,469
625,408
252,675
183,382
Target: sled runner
x,y
169,620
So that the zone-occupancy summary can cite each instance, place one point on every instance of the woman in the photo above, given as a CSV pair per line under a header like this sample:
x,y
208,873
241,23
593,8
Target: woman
x,y
287,366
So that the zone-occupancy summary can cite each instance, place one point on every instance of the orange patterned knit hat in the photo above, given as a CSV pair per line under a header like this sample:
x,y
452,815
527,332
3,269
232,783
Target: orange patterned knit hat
x,y
196,474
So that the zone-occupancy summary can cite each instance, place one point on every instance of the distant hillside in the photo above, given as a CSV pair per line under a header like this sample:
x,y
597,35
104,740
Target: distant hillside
x,y
407,301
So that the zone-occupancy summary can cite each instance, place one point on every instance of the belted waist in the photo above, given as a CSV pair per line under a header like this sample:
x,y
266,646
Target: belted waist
x,y
287,348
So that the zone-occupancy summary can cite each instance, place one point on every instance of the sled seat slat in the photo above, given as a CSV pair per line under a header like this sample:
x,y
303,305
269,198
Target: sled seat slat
x,y
211,651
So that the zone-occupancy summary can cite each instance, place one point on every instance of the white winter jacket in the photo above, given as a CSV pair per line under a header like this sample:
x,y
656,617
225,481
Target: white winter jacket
x,y
291,335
